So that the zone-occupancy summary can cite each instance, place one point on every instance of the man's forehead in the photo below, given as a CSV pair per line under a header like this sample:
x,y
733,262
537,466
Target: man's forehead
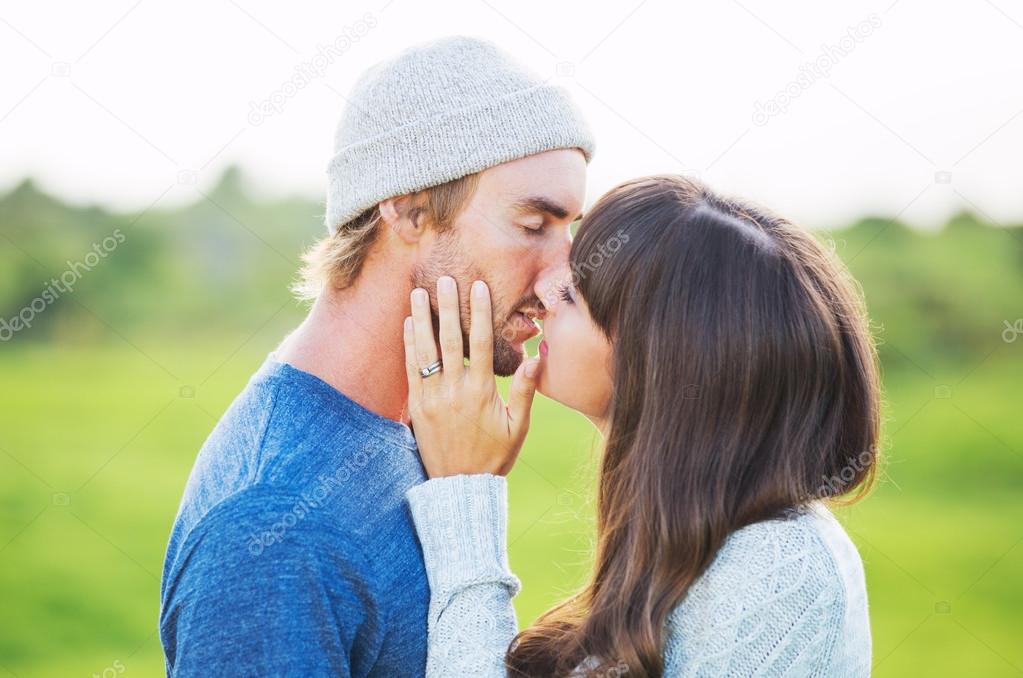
x,y
559,170
553,178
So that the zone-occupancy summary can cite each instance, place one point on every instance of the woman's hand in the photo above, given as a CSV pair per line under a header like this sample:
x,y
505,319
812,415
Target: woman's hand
x,y
461,424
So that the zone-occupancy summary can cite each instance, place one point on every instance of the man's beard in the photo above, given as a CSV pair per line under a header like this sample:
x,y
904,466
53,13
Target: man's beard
x,y
449,259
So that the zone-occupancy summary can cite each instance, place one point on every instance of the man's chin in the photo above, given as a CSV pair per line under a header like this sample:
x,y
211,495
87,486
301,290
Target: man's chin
x,y
508,357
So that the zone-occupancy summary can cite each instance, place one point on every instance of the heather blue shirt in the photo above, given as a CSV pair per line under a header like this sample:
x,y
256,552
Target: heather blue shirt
x,y
293,552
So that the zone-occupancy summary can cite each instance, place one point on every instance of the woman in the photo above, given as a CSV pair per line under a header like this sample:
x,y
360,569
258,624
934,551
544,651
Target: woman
x,y
725,358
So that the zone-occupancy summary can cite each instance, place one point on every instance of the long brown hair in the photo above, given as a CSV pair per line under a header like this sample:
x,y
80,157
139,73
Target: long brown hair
x,y
745,386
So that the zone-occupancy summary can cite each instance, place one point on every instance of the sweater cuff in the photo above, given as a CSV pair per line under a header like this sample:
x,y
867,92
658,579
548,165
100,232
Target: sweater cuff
x,y
462,523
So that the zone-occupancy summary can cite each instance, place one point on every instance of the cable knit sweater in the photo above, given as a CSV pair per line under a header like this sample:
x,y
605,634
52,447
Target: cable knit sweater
x,y
781,598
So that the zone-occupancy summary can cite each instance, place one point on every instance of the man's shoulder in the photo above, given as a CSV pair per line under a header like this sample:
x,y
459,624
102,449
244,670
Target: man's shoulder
x,y
296,470
344,507
295,436
262,515
264,575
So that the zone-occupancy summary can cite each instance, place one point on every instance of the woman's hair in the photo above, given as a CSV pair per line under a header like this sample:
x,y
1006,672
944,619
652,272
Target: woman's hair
x,y
745,386
336,260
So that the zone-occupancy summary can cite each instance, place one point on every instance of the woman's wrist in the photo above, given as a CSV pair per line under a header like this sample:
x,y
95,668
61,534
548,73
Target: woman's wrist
x,y
462,522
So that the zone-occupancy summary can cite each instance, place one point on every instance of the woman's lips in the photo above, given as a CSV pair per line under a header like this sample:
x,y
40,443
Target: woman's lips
x,y
543,348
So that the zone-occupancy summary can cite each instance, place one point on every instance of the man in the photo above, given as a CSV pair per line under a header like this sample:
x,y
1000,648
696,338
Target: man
x,y
293,552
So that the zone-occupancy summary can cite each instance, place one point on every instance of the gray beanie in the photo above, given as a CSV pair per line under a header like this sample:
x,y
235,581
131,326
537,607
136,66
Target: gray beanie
x,y
438,112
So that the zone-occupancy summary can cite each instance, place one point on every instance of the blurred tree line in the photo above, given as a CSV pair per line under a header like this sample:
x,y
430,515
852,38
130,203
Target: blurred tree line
x,y
224,263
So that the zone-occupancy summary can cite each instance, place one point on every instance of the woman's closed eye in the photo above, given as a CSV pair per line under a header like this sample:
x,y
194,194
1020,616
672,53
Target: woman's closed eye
x,y
564,292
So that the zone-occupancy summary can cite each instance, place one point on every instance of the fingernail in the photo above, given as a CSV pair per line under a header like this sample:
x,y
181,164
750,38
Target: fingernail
x,y
446,284
419,296
408,322
479,289
531,368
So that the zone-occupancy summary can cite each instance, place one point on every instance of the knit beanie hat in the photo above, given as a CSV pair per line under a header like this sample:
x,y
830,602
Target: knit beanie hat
x,y
438,112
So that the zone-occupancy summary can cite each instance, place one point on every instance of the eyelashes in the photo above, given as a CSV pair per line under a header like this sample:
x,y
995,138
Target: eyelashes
x,y
564,292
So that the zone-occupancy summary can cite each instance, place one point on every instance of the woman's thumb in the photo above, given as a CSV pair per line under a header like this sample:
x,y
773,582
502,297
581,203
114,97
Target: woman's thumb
x,y
523,386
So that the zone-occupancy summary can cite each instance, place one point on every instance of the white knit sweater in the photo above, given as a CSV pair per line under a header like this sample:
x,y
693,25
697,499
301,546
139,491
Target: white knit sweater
x,y
781,598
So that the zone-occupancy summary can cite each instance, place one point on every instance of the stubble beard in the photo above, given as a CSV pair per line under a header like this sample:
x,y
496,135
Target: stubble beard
x,y
448,258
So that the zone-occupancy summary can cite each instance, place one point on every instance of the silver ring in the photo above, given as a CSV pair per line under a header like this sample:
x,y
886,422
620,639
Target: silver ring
x,y
432,368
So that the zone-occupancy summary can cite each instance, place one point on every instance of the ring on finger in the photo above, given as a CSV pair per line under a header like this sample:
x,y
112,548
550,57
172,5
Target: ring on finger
x,y
431,369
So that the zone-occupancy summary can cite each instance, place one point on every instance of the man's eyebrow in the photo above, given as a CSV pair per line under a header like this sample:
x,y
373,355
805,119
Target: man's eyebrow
x,y
541,205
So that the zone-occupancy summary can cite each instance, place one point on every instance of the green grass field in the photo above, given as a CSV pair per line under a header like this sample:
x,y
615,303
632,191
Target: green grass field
x,y
96,443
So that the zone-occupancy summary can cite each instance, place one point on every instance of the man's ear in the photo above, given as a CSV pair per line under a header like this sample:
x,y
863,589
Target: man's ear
x,y
403,220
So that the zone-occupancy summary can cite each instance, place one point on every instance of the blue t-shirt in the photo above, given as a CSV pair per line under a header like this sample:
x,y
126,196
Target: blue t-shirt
x,y
293,552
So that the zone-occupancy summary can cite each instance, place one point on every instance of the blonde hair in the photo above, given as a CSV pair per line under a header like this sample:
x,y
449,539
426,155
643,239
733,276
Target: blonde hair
x,y
336,260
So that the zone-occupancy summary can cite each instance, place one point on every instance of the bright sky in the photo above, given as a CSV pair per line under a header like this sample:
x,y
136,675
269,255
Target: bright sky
x,y
907,107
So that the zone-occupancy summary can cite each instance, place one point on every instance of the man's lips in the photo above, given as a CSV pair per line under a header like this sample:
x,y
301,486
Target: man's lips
x,y
543,348
522,326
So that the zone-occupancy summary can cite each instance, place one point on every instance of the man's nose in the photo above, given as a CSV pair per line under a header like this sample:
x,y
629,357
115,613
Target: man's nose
x,y
557,250
553,270
549,284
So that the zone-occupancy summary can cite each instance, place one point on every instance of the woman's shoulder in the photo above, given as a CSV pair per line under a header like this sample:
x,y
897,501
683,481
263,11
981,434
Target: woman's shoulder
x,y
784,596
803,555
807,544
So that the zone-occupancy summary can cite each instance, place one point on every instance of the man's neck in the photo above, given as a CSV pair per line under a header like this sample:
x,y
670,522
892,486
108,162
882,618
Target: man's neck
x,y
352,339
